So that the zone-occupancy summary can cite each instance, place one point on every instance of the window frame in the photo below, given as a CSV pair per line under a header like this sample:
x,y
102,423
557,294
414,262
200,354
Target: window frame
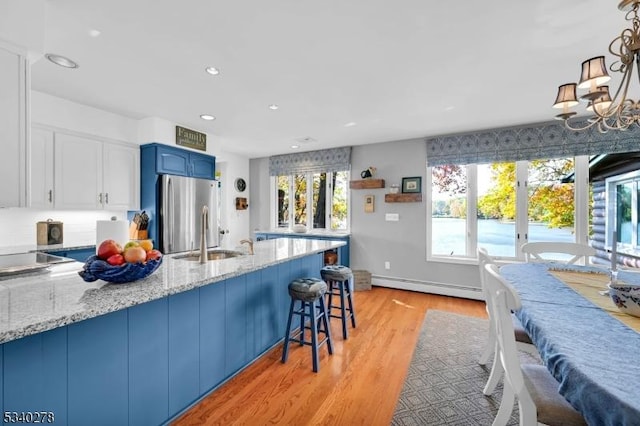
x,y
612,211
581,210
309,194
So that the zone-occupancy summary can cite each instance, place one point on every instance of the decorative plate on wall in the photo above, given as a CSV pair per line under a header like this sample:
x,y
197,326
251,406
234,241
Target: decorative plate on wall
x,y
241,185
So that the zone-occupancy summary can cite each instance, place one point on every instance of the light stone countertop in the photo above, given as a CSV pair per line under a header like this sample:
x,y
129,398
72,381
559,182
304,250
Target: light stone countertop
x,y
321,232
31,304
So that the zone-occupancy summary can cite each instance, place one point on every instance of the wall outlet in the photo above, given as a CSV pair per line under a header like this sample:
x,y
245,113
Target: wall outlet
x,y
392,217
387,265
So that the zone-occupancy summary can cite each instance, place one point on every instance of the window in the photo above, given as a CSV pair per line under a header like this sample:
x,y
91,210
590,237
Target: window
x,y
500,206
319,200
623,199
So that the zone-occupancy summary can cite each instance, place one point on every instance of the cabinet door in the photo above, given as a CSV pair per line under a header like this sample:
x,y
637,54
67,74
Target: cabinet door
x,y
202,166
78,173
172,162
121,177
13,110
41,156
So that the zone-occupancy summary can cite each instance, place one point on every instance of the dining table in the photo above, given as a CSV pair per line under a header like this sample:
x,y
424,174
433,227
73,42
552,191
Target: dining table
x,y
590,348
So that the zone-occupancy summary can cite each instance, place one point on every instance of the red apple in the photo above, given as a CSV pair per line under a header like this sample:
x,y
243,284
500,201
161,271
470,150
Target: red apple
x,y
135,255
116,259
108,248
153,254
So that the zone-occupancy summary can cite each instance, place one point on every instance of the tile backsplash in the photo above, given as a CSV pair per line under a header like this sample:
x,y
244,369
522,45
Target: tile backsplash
x,y
18,225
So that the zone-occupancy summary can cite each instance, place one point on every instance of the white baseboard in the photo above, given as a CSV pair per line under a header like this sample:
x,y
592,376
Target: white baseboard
x,y
428,287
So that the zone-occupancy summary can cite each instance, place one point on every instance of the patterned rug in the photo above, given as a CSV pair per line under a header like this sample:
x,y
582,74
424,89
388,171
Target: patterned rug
x,y
444,382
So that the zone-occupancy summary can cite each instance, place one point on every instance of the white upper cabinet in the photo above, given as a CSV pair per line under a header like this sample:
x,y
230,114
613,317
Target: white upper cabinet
x,y
13,128
41,156
78,173
121,177
71,171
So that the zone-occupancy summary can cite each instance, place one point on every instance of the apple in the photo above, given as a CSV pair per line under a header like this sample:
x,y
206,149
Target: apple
x,y
108,248
153,254
130,244
116,260
135,254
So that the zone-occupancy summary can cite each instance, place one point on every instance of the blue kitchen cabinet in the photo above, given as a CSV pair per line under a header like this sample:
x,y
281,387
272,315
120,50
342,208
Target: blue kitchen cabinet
x,y
98,392
35,375
236,355
181,162
267,317
343,252
285,277
212,332
148,360
184,350
80,255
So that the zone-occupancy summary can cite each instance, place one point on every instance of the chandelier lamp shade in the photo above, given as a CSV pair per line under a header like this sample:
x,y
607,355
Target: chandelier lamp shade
x,y
606,113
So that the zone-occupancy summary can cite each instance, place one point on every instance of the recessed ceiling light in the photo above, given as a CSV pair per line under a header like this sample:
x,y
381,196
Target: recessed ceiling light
x,y
94,33
350,124
207,117
450,108
61,60
295,146
212,70
273,107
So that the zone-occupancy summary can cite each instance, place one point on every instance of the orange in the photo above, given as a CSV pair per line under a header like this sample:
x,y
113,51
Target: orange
x,y
147,245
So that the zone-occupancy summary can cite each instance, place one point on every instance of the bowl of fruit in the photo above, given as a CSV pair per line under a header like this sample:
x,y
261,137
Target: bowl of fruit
x,y
117,264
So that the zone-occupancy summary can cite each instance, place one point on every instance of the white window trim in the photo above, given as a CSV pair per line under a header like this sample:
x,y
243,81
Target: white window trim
x,y
610,219
581,211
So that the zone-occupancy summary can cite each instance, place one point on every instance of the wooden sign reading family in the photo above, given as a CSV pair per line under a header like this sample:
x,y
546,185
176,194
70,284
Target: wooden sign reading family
x,y
191,138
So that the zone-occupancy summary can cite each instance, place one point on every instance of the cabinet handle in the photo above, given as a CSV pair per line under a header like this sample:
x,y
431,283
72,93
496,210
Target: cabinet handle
x,y
106,198
51,195
100,198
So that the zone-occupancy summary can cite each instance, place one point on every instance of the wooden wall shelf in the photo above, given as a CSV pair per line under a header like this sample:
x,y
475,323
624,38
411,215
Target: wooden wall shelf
x,y
366,184
402,198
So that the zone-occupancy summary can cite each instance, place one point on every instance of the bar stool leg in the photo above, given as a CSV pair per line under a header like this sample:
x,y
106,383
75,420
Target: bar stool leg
x,y
314,336
343,310
352,313
285,351
303,322
325,323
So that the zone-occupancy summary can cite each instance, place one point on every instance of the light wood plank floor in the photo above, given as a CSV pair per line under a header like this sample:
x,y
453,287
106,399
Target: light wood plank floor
x,y
358,385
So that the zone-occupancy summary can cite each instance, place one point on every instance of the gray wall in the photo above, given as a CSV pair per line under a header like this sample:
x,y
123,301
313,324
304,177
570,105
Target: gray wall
x,y
374,240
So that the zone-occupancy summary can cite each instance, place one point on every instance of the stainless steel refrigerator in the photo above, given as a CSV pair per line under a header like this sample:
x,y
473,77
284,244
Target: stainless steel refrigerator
x,y
181,203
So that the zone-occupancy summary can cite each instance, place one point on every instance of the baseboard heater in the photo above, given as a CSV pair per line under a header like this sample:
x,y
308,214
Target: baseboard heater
x,y
444,289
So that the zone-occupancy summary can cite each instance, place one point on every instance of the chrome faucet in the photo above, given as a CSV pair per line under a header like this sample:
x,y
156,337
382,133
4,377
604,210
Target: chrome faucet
x,y
203,234
250,245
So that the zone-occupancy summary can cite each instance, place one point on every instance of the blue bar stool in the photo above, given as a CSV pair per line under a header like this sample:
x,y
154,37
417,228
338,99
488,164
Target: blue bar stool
x,y
310,293
340,281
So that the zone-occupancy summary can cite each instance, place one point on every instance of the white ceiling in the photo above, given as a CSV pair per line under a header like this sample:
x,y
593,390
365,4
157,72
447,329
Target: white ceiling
x,y
398,69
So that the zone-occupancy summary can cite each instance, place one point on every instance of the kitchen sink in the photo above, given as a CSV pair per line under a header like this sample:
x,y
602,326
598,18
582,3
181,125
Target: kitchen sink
x,y
211,255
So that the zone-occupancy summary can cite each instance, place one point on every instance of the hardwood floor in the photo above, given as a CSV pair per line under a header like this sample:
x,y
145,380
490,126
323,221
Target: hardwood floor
x,y
358,385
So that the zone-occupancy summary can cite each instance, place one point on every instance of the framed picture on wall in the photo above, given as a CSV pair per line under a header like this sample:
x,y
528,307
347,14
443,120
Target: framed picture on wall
x,y
411,185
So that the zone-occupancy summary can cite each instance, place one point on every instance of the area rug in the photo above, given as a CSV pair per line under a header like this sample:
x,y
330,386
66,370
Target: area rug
x,y
444,382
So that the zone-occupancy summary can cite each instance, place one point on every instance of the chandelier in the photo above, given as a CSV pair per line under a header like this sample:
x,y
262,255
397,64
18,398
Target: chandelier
x,y
619,112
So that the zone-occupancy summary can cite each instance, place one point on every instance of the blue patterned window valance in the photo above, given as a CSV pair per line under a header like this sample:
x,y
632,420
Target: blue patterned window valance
x,y
530,142
323,161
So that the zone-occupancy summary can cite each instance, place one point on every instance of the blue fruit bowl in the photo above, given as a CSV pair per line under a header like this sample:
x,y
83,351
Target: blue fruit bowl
x,y
626,297
97,269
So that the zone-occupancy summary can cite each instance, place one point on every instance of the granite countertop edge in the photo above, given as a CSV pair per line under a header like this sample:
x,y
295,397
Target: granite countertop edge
x,y
81,301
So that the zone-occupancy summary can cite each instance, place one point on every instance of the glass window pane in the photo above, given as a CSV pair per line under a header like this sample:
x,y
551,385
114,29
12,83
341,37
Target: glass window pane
x,y
282,183
497,208
449,210
623,212
300,199
551,202
319,200
339,202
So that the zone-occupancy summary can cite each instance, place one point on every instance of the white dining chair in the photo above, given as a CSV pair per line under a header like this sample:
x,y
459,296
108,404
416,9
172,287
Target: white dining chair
x,y
532,385
538,251
523,341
